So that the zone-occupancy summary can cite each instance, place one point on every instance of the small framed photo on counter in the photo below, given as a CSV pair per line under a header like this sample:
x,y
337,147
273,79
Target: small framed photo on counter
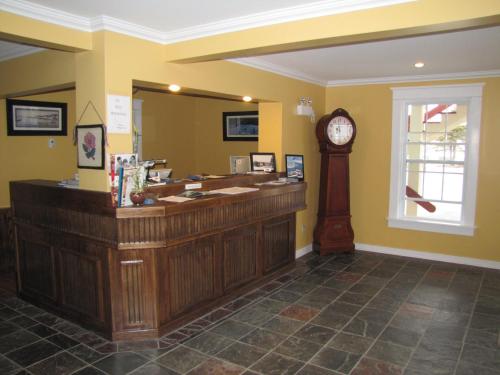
x,y
263,161
90,146
239,164
295,166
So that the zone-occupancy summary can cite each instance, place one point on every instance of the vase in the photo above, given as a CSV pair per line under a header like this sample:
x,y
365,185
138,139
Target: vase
x,y
137,198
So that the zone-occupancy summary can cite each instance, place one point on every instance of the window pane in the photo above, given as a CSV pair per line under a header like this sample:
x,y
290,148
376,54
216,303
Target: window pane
x,y
414,167
414,181
433,184
415,151
454,168
416,137
443,211
434,152
437,137
455,152
452,187
431,167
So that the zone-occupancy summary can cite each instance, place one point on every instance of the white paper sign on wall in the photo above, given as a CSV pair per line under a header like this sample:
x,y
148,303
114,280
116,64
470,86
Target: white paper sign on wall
x,y
118,114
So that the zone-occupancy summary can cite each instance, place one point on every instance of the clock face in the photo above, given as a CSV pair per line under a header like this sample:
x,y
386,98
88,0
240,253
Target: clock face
x,y
339,130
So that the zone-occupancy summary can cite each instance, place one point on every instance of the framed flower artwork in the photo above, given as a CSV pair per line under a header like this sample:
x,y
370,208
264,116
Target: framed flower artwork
x,y
90,146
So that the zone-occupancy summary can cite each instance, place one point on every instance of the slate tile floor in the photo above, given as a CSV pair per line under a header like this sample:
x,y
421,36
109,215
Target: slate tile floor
x,y
347,314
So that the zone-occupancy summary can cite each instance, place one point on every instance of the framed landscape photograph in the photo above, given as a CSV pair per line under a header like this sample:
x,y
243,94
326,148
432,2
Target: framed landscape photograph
x,y
27,117
240,126
263,161
239,164
295,166
90,146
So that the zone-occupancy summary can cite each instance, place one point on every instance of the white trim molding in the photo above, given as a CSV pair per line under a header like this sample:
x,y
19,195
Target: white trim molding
x,y
45,14
277,16
272,17
303,251
429,256
261,64
416,78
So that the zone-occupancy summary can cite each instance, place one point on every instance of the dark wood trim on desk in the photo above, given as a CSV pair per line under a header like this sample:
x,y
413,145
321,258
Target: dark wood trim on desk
x,y
138,272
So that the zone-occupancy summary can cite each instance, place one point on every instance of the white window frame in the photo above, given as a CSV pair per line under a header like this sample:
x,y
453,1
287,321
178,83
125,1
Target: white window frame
x,y
470,94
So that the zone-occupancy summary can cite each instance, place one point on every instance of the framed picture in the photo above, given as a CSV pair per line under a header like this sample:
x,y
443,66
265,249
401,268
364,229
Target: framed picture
x,y
295,166
239,164
240,126
263,161
90,146
27,117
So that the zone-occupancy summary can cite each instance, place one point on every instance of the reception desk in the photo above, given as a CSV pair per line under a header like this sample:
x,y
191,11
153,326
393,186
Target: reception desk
x,y
138,272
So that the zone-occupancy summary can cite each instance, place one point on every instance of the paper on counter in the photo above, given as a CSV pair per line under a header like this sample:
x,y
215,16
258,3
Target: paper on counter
x,y
214,176
175,199
234,190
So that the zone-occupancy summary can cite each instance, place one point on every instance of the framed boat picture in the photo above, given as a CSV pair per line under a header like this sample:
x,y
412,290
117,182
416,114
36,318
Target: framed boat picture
x,y
27,117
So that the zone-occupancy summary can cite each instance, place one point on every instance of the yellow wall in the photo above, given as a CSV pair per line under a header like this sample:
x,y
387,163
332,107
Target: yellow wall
x,y
29,157
187,131
168,130
371,108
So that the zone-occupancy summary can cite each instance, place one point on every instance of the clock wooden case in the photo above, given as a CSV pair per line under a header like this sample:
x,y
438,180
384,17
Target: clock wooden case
x,y
333,232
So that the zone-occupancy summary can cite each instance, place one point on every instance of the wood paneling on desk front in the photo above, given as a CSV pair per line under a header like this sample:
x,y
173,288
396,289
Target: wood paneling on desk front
x,y
138,272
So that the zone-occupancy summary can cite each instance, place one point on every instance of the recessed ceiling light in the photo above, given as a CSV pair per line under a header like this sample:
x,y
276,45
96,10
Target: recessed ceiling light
x,y
247,98
174,88
419,64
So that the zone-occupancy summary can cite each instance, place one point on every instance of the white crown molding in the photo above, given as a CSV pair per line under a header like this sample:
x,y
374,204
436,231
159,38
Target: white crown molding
x,y
294,13
255,62
46,14
429,256
17,51
417,78
123,27
102,22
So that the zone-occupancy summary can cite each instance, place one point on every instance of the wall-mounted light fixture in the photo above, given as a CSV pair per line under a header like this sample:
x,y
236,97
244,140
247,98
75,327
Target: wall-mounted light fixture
x,y
304,108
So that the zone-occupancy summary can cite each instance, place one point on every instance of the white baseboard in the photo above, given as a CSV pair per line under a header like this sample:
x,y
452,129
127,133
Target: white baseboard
x,y
305,250
429,256
414,254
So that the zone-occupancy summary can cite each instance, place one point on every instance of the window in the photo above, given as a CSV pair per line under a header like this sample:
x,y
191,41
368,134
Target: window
x,y
435,152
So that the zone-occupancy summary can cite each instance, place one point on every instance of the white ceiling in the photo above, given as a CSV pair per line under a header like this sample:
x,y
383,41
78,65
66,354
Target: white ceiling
x,y
464,53
451,55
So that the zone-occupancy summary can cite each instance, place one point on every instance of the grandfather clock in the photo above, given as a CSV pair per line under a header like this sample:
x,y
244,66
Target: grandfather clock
x,y
333,231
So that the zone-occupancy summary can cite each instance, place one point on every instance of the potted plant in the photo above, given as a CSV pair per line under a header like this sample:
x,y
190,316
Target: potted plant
x,y
137,195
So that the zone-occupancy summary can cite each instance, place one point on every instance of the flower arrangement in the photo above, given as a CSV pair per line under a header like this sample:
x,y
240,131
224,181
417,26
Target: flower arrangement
x,y
138,180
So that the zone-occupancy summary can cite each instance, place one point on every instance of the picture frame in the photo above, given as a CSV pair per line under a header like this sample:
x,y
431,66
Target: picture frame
x,y
294,166
263,161
239,164
28,117
90,146
240,126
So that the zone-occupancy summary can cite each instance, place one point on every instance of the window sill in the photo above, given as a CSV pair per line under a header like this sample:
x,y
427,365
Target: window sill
x,y
429,226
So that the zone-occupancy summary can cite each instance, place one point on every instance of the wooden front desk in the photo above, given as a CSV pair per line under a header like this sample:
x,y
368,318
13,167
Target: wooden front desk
x,y
138,272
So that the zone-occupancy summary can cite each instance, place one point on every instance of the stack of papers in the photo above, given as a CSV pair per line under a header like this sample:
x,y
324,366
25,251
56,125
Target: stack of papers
x,y
175,199
234,190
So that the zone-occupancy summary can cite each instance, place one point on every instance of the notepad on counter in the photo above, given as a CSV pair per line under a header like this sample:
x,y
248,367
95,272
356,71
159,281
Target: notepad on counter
x,y
175,199
234,190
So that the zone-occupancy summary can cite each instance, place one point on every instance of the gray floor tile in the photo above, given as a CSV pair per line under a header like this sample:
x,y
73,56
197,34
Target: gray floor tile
x,y
181,359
